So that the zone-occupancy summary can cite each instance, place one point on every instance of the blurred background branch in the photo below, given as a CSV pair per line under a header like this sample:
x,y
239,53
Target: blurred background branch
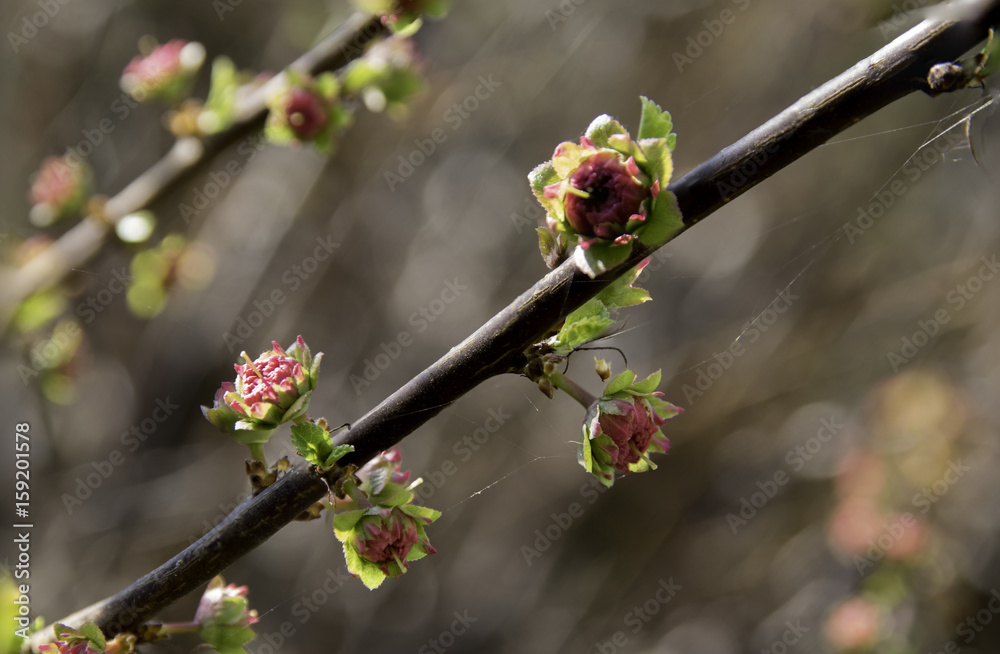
x,y
47,267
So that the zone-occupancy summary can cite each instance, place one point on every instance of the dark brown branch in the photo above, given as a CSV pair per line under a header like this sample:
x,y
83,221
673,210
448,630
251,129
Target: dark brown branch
x,y
497,347
85,240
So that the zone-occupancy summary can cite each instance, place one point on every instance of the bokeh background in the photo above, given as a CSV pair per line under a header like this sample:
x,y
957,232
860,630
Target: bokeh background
x,y
820,495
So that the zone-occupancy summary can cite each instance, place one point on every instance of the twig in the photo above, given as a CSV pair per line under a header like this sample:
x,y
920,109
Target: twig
x,y
85,239
497,347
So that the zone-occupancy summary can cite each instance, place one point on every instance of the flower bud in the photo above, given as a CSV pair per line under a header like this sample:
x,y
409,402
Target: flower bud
x,y
268,391
166,73
622,428
307,110
385,538
602,196
631,426
225,616
59,189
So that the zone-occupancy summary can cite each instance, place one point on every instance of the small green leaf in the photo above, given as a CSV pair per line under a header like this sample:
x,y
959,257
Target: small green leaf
x,y
590,309
647,385
371,575
582,326
327,85
344,522
422,512
664,221
337,454
655,122
602,128
598,257
659,163
93,633
619,383
313,443
541,176
620,293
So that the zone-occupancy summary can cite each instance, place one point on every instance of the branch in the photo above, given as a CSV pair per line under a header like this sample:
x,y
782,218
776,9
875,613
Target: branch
x,y
497,347
85,239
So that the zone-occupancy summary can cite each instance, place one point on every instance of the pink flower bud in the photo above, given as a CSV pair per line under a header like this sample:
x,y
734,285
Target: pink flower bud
x,y
631,429
58,190
165,73
386,537
268,391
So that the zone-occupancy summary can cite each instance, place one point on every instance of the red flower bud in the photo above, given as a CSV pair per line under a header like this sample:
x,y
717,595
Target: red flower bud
x,y
603,196
307,113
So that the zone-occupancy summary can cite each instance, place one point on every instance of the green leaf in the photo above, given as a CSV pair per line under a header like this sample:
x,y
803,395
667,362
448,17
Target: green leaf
x,y
600,256
312,442
371,575
647,385
601,129
337,454
619,383
345,521
422,512
220,104
655,122
582,326
541,176
392,495
659,164
548,245
592,308
93,633
663,223
39,309
327,85
620,293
